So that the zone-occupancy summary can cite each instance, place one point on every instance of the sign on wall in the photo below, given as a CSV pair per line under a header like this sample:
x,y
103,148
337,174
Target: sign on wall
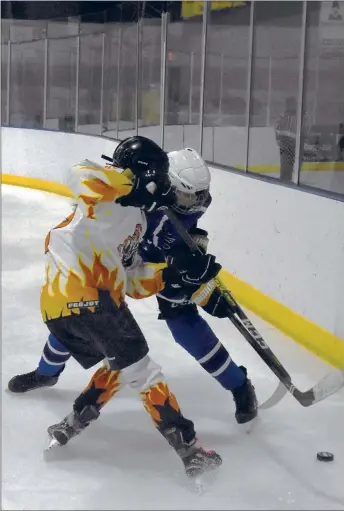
x,y
332,26
190,9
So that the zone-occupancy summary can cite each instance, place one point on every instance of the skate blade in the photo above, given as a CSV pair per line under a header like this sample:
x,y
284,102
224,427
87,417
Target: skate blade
x,y
201,483
51,443
197,485
251,426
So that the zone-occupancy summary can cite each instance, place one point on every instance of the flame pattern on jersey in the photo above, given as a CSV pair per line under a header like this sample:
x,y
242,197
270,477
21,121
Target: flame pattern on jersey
x,y
96,247
59,292
117,185
145,280
64,223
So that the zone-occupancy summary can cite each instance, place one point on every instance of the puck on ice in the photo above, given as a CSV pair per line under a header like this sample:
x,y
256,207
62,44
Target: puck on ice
x,y
325,456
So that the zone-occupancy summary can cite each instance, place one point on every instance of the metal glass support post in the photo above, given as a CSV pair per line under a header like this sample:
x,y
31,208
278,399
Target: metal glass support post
x,y
77,76
268,109
164,24
299,111
206,7
192,64
221,84
45,87
138,77
119,64
249,83
101,119
8,84
316,87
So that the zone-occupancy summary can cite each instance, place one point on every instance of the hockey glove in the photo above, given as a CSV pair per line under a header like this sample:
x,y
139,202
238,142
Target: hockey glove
x,y
195,268
149,193
200,237
175,288
218,306
212,301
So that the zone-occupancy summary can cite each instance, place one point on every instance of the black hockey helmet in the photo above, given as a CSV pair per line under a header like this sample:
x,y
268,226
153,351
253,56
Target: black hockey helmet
x,y
140,154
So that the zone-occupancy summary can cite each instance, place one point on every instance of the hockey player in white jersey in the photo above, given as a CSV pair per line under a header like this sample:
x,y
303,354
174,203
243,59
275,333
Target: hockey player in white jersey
x,y
190,179
177,301
89,271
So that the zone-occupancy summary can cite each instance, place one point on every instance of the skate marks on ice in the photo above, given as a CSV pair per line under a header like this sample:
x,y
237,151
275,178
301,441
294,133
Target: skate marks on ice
x,y
121,462
273,468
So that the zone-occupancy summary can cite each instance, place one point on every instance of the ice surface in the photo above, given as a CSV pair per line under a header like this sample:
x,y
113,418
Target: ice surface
x,y
121,462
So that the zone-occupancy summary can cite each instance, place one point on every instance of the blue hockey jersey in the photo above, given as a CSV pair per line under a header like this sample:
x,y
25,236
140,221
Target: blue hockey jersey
x,y
161,236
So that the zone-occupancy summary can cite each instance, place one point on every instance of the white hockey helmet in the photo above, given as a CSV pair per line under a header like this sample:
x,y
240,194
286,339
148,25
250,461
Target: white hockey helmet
x,y
190,178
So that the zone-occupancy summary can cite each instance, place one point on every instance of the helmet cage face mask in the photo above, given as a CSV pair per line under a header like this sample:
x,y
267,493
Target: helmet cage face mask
x,y
188,203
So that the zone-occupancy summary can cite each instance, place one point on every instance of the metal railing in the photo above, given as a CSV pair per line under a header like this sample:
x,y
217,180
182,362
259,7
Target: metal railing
x,y
256,96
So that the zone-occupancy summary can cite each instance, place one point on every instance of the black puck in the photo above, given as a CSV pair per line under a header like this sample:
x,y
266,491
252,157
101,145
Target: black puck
x,y
325,456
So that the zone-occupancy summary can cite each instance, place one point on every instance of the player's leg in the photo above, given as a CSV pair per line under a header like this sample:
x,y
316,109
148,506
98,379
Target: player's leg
x,y
194,334
103,385
50,366
126,351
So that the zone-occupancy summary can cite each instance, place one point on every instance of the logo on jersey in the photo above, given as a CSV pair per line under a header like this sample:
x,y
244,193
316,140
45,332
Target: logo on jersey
x,y
83,305
168,241
129,247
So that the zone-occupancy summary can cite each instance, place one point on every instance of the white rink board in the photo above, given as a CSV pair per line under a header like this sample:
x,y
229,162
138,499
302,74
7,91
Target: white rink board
x,y
287,243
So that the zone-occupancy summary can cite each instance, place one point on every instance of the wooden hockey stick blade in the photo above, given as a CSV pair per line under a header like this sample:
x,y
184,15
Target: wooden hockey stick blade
x,y
276,397
330,384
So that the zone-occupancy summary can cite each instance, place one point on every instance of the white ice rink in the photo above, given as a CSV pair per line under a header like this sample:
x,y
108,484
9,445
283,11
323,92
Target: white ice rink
x,y
121,462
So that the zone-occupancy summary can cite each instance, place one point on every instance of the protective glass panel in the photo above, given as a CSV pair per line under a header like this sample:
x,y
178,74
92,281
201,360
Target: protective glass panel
x,y
226,84
322,135
61,89
27,85
183,83
275,88
149,79
90,81
4,70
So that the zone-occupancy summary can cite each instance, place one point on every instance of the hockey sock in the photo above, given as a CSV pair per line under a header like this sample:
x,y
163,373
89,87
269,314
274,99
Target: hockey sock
x,y
54,357
194,334
163,407
103,385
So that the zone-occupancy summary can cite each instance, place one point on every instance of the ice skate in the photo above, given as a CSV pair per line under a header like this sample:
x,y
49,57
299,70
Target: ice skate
x,y
246,401
200,468
30,381
196,460
60,434
201,461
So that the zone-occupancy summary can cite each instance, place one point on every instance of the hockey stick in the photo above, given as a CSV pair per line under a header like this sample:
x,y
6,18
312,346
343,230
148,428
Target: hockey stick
x,y
327,386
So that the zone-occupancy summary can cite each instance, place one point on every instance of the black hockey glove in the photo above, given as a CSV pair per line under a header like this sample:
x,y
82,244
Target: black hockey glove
x,y
200,237
194,268
149,193
175,288
218,306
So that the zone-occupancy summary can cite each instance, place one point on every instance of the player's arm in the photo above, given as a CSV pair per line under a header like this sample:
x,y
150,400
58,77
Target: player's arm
x,y
90,182
145,279
188,278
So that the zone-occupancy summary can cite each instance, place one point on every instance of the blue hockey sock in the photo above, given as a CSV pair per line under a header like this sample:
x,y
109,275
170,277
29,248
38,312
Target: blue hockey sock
x,y
54,357
194,334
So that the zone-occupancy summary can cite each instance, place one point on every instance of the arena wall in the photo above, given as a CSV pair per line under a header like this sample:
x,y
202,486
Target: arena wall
x,y
283,248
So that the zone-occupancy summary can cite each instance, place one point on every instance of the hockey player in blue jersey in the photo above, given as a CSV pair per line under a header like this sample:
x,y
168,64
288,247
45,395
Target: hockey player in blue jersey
x,y
190,178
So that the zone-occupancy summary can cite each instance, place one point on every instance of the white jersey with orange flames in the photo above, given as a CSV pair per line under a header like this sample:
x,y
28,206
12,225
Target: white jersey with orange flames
x,y
96,246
